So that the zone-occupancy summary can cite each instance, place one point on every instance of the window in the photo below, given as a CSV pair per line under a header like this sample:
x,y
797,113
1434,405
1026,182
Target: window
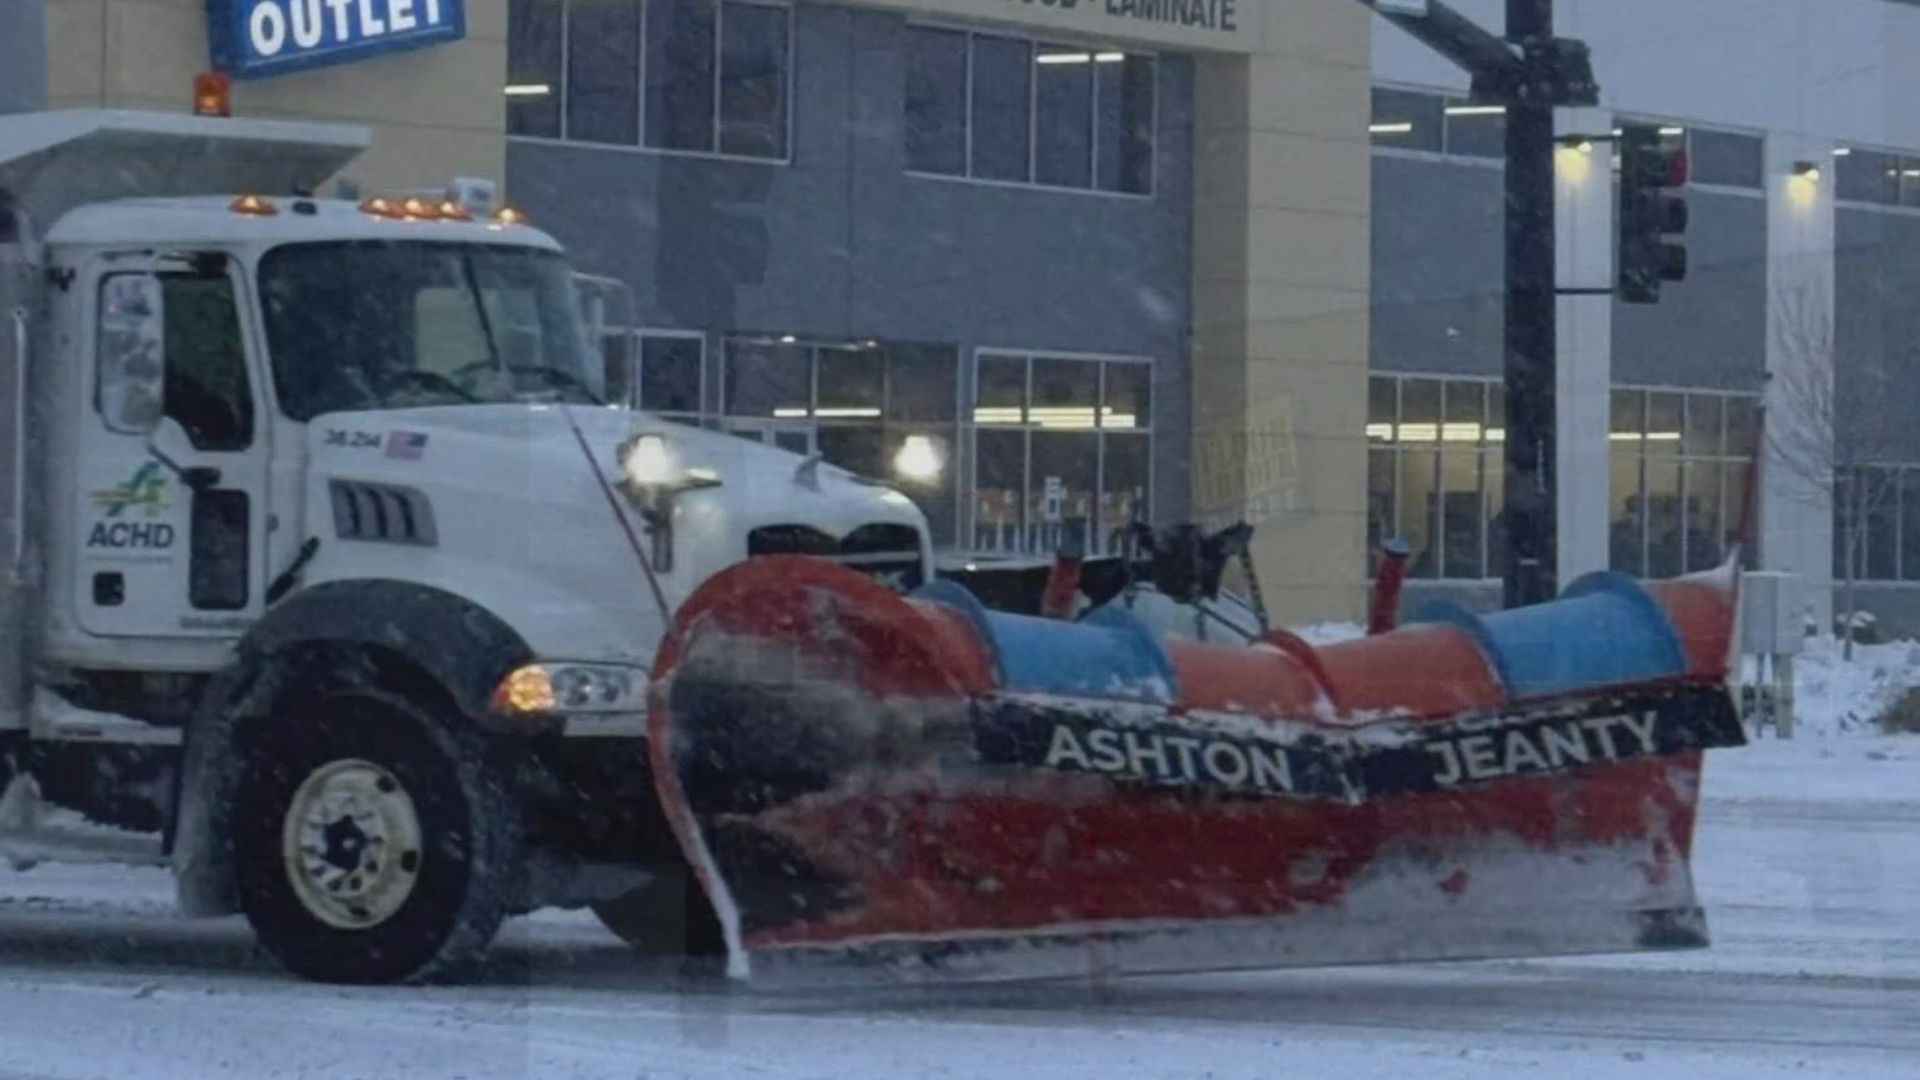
x,y
667,375
366,324
1874,176
696,76
1434,471
1460,127
1727,158
937,100
753,81
1003,108
1876,523
603,82
1679,464
534,46
1062,452
1062,106
1476,130
1436,475
856,403
1405,120
207,390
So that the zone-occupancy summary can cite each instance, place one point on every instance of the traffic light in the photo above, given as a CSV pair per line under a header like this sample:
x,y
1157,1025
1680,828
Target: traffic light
x,y
1653,213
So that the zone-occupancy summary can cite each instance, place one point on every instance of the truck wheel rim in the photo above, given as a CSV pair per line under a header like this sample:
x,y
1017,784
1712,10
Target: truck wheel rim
x,y
351,844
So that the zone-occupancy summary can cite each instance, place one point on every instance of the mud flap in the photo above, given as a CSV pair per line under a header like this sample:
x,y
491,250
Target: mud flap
x,y
863,803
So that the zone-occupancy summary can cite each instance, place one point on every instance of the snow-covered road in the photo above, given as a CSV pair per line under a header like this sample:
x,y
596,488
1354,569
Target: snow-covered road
x,y
1808,860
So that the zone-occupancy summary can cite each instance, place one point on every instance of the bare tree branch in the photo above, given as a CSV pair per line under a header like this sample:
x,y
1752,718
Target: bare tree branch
x,y
1835,424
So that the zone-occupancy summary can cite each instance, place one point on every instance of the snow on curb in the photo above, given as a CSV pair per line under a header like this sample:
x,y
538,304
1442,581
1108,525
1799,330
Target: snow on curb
x,y
1834,696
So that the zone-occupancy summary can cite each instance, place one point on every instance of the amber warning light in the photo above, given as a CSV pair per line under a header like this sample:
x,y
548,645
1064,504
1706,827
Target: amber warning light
x,y
212,94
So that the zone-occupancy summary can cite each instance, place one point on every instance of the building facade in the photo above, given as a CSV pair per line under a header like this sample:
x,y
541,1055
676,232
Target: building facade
x,y
1794,319
1144,259
1111,256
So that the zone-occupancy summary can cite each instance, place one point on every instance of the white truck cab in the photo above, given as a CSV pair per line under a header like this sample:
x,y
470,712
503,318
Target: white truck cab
x,y
330,578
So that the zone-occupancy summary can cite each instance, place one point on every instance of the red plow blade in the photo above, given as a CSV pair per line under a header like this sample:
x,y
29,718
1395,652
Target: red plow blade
x,y
870,785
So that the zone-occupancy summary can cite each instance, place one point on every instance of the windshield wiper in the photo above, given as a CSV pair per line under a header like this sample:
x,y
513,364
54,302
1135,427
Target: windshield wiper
x,y
480,308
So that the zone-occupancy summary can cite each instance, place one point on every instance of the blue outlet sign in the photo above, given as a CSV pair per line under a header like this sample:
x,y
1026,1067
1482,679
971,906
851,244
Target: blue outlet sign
x,y
253,39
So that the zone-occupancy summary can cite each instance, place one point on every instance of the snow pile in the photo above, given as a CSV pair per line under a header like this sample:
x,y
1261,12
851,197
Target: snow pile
x,y
1330,633
1835,696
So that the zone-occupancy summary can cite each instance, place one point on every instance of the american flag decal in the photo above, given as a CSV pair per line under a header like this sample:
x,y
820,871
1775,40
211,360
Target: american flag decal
x,y
406,445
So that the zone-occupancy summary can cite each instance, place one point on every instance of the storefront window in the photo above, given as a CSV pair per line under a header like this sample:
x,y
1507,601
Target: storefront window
x,y
670,374
856,404
1680,465
656,370
1003,108
1125,477
1002,394
768,379
686,75
1076,469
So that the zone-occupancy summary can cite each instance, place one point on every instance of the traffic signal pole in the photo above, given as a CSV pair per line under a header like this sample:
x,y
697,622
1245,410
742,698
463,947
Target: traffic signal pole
x,y
1531,330
1530,72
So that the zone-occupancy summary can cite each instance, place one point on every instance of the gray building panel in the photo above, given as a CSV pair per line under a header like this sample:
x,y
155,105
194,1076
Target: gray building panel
x,y
1438,256
1877,325
844,243
1704,332
1437,266
23,55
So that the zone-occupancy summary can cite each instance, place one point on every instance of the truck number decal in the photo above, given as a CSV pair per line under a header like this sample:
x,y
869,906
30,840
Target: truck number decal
x,y
352,440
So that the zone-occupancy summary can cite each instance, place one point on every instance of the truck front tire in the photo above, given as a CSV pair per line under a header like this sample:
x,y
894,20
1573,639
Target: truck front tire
x,y
371,842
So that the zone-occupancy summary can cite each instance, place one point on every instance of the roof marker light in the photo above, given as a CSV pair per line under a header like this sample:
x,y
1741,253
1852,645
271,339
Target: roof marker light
x,y
212,94
380,206
253,205
420,209
507,215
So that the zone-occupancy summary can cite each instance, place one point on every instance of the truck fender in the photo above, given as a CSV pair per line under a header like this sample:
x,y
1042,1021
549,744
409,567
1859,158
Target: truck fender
x,y
462,647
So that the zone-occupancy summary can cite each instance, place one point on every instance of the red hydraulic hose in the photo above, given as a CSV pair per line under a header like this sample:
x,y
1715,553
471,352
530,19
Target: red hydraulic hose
x,y
1384,612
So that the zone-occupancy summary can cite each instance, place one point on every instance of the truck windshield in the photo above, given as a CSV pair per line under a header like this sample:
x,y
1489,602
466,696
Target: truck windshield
x,y
387,325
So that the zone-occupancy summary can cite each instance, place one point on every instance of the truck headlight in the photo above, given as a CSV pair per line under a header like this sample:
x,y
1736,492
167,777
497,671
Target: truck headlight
x,y
653,476
553,686
649,463
918,460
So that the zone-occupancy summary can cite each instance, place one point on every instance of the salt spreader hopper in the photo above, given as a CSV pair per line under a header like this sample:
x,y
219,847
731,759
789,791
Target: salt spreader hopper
x,y
927,788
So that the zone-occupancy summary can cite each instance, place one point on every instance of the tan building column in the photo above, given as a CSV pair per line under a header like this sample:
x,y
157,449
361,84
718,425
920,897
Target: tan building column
x,y
436,112
1282,178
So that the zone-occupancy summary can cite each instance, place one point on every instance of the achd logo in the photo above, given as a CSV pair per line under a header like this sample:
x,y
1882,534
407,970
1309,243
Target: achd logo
x,y
145,490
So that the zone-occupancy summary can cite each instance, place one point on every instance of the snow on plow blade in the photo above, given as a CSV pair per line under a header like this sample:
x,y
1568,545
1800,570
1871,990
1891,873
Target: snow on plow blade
x,y
920,789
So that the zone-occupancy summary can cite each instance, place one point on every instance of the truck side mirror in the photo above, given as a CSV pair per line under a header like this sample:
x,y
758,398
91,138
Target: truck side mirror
x,y
132,353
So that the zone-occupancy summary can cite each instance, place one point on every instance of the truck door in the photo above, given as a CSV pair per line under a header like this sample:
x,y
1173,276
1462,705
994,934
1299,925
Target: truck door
x,y
172,464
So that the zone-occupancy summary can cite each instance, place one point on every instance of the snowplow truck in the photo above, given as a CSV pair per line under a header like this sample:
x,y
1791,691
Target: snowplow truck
x,y
326,579
330,584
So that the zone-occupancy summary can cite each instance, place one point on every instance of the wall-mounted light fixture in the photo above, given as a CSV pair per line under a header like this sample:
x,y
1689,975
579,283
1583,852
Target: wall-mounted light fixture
x,y
1806,170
